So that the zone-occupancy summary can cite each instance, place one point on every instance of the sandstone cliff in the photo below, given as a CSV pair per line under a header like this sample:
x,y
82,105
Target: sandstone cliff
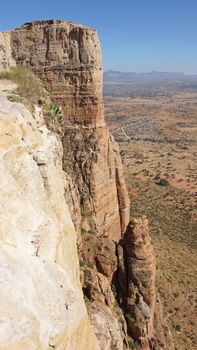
x,y
67,57
116,258
41,299
136,281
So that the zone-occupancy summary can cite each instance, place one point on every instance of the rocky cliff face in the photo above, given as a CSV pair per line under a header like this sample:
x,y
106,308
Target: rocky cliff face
x,y
67,58
136,279
41,299
6,59
117,260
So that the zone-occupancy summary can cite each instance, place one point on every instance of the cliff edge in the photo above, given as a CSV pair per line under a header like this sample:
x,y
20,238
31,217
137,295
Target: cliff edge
x,y
42,304
59,162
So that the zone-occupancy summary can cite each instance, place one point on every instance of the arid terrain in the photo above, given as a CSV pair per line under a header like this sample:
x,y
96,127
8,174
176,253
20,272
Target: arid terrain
x,y
155,126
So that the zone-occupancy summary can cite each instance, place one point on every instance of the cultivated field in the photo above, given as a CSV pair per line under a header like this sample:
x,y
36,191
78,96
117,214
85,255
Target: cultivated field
x,y
157,135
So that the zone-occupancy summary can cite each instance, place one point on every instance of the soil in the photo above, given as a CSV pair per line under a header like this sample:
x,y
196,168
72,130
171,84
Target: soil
x,y
158,142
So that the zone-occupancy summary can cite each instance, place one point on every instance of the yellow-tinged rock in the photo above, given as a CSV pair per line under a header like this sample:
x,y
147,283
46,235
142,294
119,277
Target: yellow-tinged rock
x,y
41,298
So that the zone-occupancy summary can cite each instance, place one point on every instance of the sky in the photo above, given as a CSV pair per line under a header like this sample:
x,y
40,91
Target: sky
x,y
135,35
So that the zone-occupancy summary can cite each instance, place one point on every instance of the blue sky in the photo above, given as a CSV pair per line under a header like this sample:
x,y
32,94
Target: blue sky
x,y
136,35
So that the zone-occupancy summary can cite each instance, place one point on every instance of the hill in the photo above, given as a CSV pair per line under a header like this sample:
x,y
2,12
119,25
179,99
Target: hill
x,y
154,76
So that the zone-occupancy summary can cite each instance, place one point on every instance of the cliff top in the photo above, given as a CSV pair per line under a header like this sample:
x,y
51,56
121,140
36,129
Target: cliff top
x,y
54,22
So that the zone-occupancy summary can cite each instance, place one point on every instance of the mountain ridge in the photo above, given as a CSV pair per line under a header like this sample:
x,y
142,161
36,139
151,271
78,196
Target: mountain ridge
x,y
112,76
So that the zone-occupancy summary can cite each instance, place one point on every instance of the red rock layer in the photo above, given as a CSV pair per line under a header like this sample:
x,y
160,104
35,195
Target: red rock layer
x,y
67,57
137,286
92,160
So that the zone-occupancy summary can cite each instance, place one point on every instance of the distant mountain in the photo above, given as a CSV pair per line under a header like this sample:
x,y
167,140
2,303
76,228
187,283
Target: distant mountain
x,y
131,77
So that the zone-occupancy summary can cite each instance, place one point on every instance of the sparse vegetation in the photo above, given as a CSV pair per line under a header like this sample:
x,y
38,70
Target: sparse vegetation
x,y
165,152
55,111
29,85
87,300
86,265
162,182
113,288
178,327
132,344
30,91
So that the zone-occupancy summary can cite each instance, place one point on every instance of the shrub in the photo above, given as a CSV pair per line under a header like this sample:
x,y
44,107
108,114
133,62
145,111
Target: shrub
x,y
81,263
178,327
133,344
56,111
162,182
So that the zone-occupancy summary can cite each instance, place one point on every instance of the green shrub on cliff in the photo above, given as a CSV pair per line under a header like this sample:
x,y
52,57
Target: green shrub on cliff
x,y
55,111
132,344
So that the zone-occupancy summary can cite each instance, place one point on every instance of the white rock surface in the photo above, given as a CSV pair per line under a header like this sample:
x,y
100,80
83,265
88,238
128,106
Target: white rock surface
x,y
41,299
6,59
106,327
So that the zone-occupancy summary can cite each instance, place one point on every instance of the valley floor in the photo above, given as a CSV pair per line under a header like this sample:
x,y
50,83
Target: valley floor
x,y
157,138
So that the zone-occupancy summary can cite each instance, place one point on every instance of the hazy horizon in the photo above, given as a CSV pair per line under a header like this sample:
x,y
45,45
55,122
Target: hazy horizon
x,y
148,71
136,35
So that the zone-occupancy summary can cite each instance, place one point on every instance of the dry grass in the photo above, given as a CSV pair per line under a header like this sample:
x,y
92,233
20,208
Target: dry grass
x,y
29,85
30,91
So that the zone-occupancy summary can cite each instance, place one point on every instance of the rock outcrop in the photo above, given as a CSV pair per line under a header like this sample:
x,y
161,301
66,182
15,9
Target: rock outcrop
x,y
41,298
116,258
6,59
137,293
67,57
138,274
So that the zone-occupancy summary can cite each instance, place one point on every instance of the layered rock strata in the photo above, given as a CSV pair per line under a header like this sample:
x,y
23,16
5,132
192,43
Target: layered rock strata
x,y
117,261
67,57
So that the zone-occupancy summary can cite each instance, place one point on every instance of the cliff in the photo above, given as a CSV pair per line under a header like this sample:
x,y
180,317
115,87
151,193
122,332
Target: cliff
x,y
67,57
117,265
41,299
